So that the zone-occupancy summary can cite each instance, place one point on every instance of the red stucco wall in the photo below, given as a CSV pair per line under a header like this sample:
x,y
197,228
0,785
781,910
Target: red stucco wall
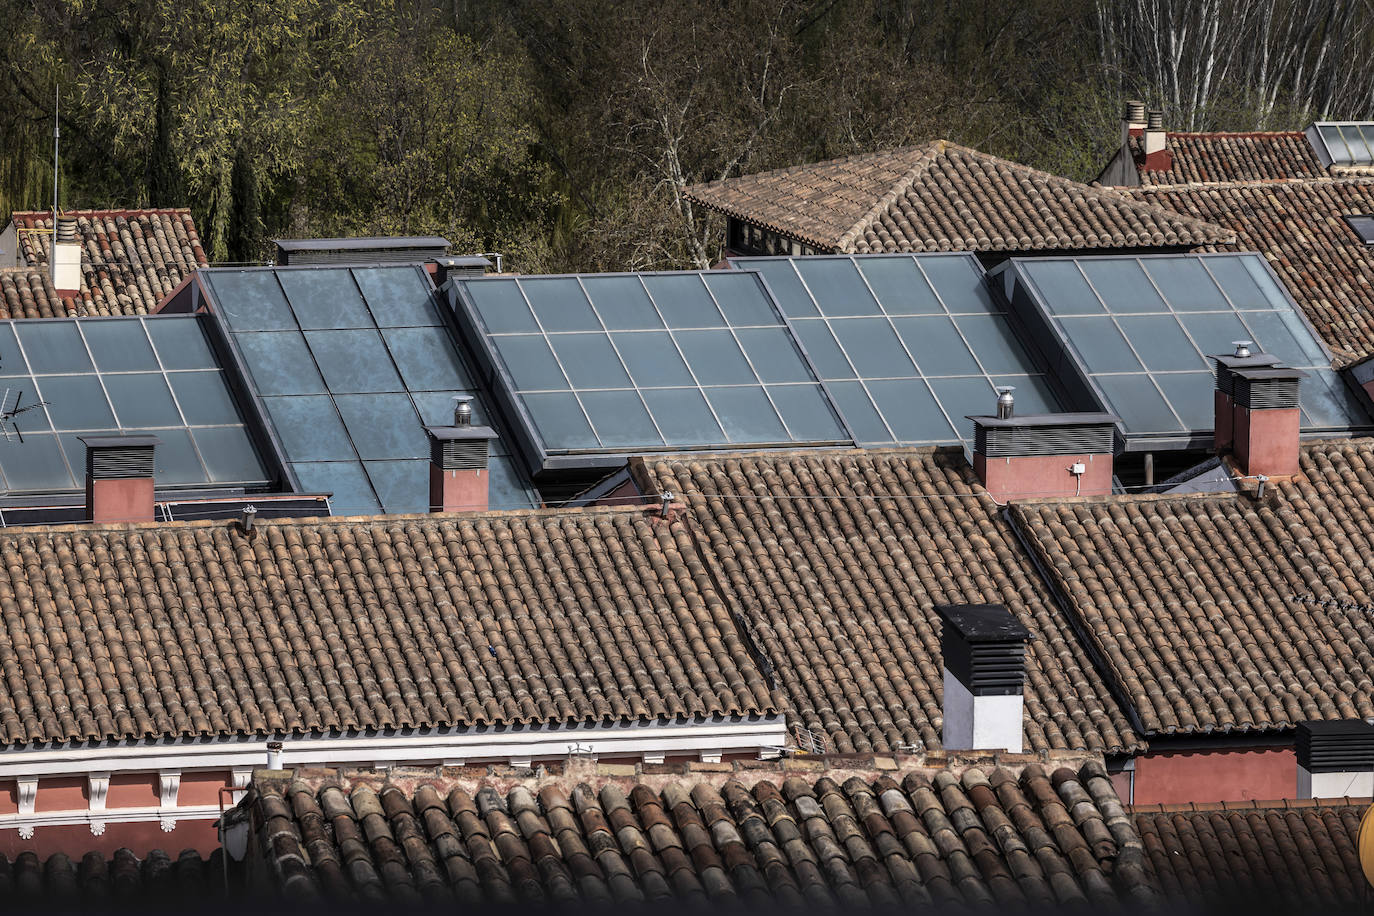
x,y
1043,476
1238,774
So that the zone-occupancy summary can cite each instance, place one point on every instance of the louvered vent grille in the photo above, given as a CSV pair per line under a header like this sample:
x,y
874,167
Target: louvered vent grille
x,y
120,461
984,646
460,454
1336,747
1266,394
1019,441
1225,380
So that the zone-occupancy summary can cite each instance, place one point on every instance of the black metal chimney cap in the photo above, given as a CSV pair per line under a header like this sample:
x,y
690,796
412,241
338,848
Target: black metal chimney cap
x,y
1270,374
1253,361
1339,746
982,622
114,440
449,433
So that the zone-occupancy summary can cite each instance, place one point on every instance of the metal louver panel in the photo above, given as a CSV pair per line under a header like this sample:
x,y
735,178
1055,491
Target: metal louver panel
x,y
1226,380
1019,441
1266,394
1335,747
120,461
460,454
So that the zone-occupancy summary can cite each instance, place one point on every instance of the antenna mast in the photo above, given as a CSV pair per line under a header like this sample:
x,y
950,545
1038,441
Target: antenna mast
x,y
56,136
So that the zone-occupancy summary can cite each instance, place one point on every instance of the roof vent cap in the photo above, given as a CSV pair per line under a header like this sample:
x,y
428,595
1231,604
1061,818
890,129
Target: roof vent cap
x,y
1006,404
462,410
1242,348
1135,111
66,229
1155,119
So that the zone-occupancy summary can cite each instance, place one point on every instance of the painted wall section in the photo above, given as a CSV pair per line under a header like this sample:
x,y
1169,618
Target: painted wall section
x,y
1233,774
120,499
1267,441
458,491
1043,476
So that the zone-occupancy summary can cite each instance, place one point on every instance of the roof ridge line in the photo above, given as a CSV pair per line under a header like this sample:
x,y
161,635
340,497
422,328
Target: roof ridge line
x,y
934,149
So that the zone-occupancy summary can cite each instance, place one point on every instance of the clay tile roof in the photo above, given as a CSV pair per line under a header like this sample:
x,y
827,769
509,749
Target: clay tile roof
x,y
1301,230
944,197
1224,613
838,557
859,833
191,629
131,259
65,883
1233,855
1224,157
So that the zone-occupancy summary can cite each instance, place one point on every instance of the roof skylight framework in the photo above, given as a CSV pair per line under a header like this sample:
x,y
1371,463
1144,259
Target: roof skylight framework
x,y
601,366
1343,143
152,375
1134,335
351,364
908,346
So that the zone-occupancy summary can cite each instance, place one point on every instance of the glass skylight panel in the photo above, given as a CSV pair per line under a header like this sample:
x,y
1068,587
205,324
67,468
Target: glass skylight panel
x,y
1139,332
1344,143
153,375
350,364
908,345
610,364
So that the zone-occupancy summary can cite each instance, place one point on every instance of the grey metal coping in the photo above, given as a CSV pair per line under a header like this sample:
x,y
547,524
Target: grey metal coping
x,y
1276,373
371,242
1047,419
447,433
466,260
117,441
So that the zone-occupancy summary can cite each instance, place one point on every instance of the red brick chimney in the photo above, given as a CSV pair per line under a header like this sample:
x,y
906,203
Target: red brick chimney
x,y
1223,403
1266,421
119,478
1154,143
1043,455
459,479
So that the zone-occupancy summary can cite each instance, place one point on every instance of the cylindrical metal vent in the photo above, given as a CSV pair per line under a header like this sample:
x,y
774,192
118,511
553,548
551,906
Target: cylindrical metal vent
x,y
1006,404
1155,120
462,410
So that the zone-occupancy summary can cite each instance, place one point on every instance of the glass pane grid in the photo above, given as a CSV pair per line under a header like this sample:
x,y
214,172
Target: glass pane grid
x,y
907,345
618,362
348,367
1146,348
111,377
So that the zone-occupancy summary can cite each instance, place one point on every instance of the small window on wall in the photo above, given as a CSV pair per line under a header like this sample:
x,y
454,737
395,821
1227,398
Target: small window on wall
x,y
1363,224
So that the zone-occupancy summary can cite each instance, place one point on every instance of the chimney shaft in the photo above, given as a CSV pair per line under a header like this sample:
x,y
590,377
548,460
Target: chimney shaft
x,y
459,476
1335,759
66,259
1044,456
119,478
1155,144
1257,416
984,648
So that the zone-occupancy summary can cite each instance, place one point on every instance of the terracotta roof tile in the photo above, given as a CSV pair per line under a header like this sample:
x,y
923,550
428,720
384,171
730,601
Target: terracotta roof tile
x,y
123,880
192,629
751,836
1226,157
1301,230
1247,853
944,197
1209,610
837,559
131,259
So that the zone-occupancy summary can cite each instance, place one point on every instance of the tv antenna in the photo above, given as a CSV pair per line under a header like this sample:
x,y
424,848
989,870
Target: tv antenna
x,y
10,408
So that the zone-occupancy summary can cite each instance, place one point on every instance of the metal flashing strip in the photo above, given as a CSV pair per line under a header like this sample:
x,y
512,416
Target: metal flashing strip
x,y
427,746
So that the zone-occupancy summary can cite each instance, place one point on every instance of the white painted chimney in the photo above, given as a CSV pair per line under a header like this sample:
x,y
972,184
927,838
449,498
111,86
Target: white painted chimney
x,y
66,258
1335,759
1155,144
984,648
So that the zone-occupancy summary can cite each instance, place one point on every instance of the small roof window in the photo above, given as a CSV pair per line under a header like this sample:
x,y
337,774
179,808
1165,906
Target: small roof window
x,y
1363,224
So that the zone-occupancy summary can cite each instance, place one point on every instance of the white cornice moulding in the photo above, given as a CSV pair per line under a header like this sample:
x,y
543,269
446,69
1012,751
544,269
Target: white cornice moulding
x,y
99,820
463,746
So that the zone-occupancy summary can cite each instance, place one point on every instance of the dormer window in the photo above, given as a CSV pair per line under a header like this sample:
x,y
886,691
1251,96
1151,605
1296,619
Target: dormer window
x,y
1363,224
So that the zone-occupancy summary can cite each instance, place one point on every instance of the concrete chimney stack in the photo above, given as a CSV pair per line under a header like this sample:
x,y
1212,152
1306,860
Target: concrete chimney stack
x,y
1155,144
984,648
1335,759
119,478
66,259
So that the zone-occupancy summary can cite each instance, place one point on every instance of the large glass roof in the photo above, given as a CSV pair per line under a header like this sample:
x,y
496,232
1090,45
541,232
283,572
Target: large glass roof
x,y
908,346
1138,332
154,375
604,365
1343,142
351,364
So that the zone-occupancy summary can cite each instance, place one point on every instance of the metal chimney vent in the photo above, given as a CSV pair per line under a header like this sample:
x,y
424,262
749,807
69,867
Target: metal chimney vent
x,y
115,457
459,454
1015,441
1154,120
984,646
1266,389
1135,111
1336,747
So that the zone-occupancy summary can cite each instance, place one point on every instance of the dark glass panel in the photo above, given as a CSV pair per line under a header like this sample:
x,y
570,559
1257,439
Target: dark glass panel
x,y
741,298
142,399
684,417
1161,343
530,363
559,420
353,361
1215,332
837,287
1138,403
398,297
822,348
1033,395
1283,334
501,305
309,428
1190,395
809,416
1063,287
76,402
622,303
911,411
280,363
402,486
747,415
652,358
1122,285
715,357
325,298
180,342
1185,284
175,462
507,486
590,361
1246,282
786,286
229,454
938,346
383,425
352,492
683,301
620,419
427,359
900,286
996,344
11,359
251,300
959,281
119,345
1100,344
863,418
774,355
53,346
560,304
966,397
873,347
35,464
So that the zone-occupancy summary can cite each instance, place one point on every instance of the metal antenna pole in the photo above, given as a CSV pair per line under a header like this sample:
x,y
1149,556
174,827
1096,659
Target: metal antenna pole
x,y
56,135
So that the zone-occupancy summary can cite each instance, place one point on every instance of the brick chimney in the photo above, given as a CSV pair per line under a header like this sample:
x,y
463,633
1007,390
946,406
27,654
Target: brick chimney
x,y
1043,455
984,648
1257,416
1155,144
1132,120
119,478
459,479
1335,759
66,259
